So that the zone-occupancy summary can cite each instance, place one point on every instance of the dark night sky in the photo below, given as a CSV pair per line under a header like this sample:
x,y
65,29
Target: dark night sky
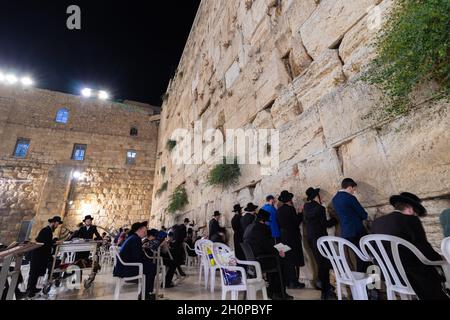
x,y
130,48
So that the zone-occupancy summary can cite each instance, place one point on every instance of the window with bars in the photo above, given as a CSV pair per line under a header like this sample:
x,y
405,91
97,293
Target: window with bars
x,y
62,116
79,152
21,149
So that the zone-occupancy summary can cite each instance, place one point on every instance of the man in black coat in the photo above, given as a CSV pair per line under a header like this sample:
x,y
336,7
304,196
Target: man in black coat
x,y
132,252
259,237
249,216
316,227
238,235
179,237
87,232
40,257
289,222
404,223
215,229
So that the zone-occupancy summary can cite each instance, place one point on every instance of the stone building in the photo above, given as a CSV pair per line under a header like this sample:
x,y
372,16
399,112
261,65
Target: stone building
x,y
295,66
45,137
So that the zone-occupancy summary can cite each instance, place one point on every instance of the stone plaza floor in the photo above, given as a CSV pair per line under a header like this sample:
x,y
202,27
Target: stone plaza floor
x,y
186,289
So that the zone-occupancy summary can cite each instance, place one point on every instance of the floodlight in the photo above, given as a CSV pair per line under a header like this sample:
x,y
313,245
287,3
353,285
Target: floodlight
x,y
86,92
103,95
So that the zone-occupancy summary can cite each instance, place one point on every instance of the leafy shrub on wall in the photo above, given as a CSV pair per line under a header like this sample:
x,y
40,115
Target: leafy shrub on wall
x,y
224,174
413,48
178,200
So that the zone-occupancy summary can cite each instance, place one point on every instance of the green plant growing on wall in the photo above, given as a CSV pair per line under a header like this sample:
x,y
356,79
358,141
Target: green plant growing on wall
x,y
178,200
225,174
171,144
162,189
413,48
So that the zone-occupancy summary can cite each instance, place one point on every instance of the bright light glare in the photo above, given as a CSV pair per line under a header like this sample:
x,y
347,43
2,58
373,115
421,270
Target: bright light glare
x,y
2,77
11,79
86,92
26,81
103,95
77,175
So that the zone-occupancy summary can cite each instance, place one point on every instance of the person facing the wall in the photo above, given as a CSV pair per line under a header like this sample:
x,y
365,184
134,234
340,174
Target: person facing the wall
x,y
238,235
444,219
215,230
249,216
316,227
404,223
351,216
274,228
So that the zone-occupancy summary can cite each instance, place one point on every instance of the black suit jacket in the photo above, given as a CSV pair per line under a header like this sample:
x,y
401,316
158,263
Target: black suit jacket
x,y
316,220
259,237
246,220
88,234
41,256
214,228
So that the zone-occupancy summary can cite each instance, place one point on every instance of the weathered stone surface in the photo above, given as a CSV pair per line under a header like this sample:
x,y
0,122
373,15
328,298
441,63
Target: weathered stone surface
x,y
322,76
358,48
330,21
285,108
263,120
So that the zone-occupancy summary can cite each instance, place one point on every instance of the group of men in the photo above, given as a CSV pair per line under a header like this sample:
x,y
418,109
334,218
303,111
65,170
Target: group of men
x,y
280,223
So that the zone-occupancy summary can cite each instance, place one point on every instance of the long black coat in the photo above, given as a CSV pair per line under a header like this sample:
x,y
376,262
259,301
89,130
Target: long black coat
x,y
425,280
259,237
316,221
238,236
88,234
246,220
214,229
289,222
41,256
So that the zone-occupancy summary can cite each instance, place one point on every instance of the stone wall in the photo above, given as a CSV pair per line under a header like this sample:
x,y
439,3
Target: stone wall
x,y
41,185
295,66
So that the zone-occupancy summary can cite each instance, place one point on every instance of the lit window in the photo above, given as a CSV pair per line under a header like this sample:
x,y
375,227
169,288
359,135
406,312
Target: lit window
x,y
79,152
62,116
133,132
131,157
22,146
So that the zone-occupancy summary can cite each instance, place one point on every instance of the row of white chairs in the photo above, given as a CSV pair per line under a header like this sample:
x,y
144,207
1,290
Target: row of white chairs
x,y
214,257
373,249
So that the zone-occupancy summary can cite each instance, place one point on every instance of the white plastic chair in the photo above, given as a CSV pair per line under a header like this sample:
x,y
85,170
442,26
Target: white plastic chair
x,y
203,262
212,267
333,248
221,253
445,248
391,264
140,277
190,261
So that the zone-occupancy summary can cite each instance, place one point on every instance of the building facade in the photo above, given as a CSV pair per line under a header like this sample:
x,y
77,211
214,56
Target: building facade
x,y
66,155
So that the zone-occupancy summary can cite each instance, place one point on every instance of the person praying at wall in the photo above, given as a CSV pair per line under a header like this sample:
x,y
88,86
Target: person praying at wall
x,y
316,227
404,222
215,230
270,207
238,234
249,216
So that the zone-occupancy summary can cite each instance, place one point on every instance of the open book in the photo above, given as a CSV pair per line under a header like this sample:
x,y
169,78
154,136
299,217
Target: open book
x,y
282,247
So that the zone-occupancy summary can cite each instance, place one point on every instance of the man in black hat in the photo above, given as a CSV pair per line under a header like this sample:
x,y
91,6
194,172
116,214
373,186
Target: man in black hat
x,y
215,229
87,232
404,223
40,257
238,232
259,237
289,222
132,252
249,216
179,237
316,227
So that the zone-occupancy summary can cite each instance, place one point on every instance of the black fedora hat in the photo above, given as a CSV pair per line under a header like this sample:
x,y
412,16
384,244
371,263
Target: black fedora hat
x,y
55,219
312,193
263,215
285,196
88,217
411,199
217,213
237,208
250,207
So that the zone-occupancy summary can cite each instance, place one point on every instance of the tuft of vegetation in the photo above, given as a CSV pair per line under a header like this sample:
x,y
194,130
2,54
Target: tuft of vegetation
x,y
171,144
162,189
178,200
413,48
163,171
225,174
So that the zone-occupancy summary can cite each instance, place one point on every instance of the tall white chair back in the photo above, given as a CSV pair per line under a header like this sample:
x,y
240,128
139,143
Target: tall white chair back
x,y
334,249
385,251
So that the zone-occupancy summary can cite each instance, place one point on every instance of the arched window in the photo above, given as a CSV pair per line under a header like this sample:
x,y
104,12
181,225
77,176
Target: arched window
x,y
133,132
62,116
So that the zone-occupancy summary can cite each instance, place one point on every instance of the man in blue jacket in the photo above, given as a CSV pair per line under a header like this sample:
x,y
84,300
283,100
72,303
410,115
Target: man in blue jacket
x,y
132,252
351,216
270,207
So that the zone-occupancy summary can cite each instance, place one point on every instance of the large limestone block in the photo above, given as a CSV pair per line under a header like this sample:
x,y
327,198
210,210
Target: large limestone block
x,y
298,12
330,21
322,77
417,148
299,57
346,112
373,176
263,120
301,137
285,108
357,48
